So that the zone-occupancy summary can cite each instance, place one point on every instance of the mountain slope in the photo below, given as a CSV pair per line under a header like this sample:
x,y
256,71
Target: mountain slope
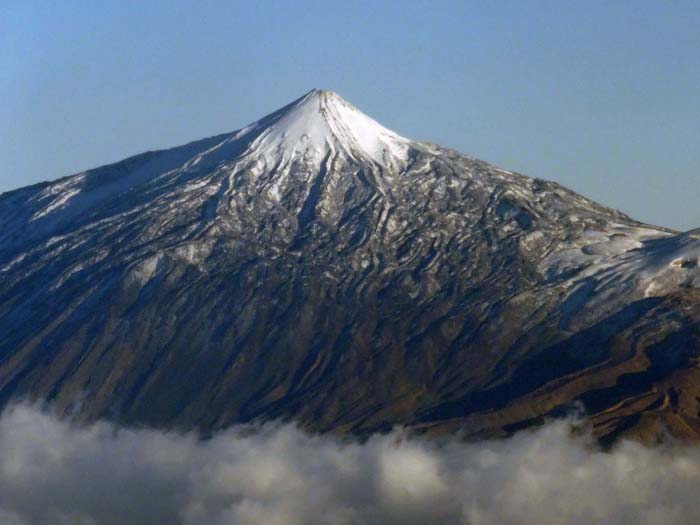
x,y
316,265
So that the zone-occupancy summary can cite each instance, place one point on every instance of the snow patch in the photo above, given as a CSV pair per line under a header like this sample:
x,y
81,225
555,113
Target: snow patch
x,y
57,204
145,270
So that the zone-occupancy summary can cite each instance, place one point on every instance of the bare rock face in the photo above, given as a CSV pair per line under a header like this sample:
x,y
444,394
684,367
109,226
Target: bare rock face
x,y
317,266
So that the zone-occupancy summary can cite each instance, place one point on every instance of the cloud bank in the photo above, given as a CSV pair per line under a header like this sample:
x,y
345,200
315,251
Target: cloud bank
x,y
53,472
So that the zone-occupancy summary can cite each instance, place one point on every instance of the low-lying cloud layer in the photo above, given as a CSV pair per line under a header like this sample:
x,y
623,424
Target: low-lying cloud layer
x,y
56,473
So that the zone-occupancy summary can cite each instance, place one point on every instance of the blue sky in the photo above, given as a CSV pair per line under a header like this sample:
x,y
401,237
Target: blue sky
x,y
602,96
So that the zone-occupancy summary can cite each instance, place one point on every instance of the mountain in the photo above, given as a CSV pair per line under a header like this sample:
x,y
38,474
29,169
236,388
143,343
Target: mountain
x,y
317,266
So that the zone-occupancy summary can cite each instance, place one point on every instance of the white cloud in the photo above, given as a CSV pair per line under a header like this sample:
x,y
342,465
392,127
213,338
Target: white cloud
x,y
53,472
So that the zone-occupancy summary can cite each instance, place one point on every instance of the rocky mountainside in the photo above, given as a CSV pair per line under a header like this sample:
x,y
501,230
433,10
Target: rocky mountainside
x,y
317,266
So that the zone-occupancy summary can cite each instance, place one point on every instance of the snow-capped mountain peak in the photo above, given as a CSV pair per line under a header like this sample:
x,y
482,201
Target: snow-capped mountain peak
x,y
321,122
317,265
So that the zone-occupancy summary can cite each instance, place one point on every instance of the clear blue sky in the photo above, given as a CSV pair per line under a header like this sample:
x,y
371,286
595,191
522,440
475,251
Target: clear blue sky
x,y
602,96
